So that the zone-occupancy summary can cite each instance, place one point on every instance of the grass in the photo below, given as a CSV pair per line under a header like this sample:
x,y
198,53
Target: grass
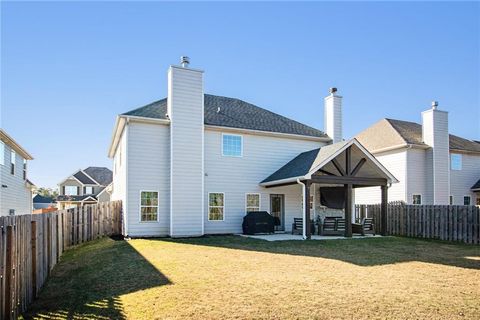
x,y
240,278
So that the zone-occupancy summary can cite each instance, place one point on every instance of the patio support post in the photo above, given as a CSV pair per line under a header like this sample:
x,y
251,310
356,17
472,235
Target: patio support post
x,y
348,210
306,202
383,210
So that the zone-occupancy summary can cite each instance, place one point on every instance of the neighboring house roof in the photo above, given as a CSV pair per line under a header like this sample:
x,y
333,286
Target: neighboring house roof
x,y
307,163
102,175
476,186
83,178
234,113
75,198
390,132
41,199
14,145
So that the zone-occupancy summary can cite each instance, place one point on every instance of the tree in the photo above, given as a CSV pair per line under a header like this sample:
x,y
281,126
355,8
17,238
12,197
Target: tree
x,y
47,192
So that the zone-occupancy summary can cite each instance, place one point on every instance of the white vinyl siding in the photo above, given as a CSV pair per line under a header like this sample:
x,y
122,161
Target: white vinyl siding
x,y
462,180
16,195
395,162
148,165
262,155
415,175
185,109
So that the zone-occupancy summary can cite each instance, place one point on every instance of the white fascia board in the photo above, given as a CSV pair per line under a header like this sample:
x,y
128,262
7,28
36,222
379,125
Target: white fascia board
x,y
267,133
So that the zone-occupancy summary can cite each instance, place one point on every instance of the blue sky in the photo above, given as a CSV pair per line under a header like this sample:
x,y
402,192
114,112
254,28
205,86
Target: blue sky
x,y
67,69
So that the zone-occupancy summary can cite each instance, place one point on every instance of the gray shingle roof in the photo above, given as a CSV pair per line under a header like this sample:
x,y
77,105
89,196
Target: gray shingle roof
x,y
476,185
234,113
41,199
304,162
102,175
74,198
411,132
83,178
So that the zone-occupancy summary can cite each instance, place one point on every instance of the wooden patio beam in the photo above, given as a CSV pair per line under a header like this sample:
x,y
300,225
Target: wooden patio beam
x,y
339,167
358,167
349,180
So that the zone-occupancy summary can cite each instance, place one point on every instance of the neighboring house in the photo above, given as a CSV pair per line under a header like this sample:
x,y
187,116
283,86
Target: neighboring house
x,y
41,202
15,188
194,163
86,186
433,166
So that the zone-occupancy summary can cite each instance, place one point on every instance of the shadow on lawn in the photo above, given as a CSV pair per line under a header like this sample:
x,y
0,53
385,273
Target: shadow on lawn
x,y
89,280
361,252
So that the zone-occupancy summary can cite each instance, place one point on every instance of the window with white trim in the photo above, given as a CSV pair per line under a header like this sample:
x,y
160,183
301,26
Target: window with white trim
x,y
232,145
467,200
252,202
2,153
71,190
88,190
417,199
13,155
216,206
148,206
456,161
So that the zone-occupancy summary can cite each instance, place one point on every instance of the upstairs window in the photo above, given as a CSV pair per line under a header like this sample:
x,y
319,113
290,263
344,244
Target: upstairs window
x,y
12,162
466,200
417,199
88,190
232,145
456,161
252,202
2,153
71,190
24,169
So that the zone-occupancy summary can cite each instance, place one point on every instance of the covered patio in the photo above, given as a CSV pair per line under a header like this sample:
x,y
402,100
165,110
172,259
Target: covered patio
x,y
343,166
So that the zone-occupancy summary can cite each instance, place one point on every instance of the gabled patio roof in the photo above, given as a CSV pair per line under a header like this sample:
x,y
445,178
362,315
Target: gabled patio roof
x,y
326,161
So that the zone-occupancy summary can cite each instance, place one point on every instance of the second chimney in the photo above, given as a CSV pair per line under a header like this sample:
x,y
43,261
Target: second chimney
x,y
333,116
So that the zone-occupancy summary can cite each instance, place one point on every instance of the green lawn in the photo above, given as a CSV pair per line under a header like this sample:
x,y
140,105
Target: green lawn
x,y
240,278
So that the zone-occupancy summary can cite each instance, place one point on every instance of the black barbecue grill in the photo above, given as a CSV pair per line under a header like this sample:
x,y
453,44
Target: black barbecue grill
x,y
258,222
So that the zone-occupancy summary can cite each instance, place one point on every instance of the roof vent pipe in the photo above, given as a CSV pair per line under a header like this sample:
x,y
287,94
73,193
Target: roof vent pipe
x,y
434,105
185,61
333,90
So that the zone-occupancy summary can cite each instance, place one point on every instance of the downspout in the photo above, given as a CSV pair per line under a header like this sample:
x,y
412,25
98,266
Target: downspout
x,y
304,227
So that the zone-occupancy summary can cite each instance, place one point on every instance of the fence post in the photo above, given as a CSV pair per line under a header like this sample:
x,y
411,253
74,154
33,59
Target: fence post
x,y
9,274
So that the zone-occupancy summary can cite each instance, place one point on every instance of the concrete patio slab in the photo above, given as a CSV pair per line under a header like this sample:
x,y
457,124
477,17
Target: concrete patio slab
x,y
287,237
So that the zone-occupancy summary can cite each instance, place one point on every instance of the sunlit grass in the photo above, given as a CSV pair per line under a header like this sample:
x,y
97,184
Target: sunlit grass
x,y
235,277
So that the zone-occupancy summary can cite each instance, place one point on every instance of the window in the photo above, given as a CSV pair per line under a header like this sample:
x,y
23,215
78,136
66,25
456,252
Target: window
x,y
252,202
71,190
12,162
2,153
24,169
466,200
451,200
311,202
88,190
148,206
232,145
456,161
216,206
417,199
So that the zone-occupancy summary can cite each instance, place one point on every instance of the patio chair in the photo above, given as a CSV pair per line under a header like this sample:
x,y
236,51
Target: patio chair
x,y
297,226
366,226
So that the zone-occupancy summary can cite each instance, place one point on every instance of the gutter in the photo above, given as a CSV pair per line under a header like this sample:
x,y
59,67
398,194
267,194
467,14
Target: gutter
x,y
400,146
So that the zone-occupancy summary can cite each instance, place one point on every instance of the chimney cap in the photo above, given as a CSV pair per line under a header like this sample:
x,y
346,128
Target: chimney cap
x,y
332,90
434,105
184,61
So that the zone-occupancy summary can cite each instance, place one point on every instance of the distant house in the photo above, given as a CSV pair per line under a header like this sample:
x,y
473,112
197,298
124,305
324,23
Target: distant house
x,y
41,202
85,186
15,189
433,166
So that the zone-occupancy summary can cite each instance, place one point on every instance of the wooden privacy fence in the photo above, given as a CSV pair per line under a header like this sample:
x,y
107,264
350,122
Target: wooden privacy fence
x,y
31,245
452,223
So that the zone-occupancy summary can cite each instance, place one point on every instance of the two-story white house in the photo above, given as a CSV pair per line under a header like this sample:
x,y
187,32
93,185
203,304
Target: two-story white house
x,y
15,188
194,163
433,166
